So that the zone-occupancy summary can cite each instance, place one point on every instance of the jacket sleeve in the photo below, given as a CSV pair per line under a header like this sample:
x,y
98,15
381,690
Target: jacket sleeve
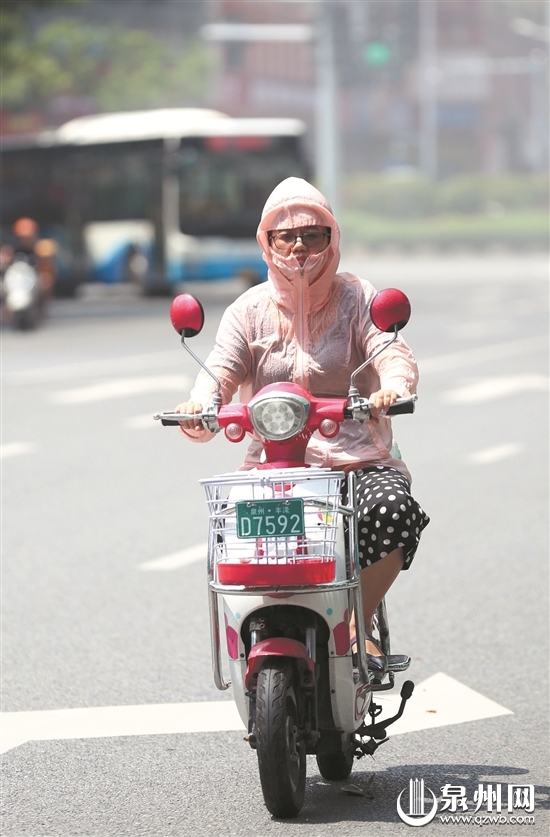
x,y
229,360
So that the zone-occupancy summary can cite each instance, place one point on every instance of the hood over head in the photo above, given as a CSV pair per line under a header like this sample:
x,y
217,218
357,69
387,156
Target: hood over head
x,y
296,203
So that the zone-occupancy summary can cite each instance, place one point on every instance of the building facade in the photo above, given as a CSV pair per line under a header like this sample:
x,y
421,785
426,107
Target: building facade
x,y
487,79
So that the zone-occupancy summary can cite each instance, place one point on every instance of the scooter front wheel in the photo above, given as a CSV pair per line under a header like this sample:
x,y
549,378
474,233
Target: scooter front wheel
x,y
281,753
26,319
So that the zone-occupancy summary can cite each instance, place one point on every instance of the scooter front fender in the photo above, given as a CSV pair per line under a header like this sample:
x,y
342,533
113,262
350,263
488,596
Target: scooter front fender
x,y
276,647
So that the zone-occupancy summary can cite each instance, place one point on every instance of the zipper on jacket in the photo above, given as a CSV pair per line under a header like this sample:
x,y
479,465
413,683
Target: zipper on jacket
x,y
301,332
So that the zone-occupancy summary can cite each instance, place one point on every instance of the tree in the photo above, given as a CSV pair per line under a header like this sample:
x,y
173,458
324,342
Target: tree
x,y
15,13
119,68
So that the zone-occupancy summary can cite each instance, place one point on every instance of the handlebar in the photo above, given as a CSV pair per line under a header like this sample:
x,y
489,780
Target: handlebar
x,y
173,419
359,411
359,408
402,406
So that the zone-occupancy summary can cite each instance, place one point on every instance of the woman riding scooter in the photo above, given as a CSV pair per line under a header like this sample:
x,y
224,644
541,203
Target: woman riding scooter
x,y
310,325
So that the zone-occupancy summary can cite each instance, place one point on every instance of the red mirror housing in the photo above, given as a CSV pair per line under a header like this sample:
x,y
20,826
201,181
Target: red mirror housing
x,y
187,315
390,310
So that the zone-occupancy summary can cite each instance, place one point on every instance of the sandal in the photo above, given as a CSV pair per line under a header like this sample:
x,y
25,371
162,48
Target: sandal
x,y
376,662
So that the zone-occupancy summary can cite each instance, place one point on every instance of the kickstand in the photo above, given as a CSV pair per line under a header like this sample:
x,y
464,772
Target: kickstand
x,y
376,732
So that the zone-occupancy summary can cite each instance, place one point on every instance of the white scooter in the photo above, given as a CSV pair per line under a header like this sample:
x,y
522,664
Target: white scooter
x,y
21,292
283,578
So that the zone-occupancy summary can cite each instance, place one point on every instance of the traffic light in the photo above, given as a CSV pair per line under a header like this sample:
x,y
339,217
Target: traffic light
x,y
377,54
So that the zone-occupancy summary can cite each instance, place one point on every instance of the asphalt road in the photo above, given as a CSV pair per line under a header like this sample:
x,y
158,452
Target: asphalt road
x,y
93,490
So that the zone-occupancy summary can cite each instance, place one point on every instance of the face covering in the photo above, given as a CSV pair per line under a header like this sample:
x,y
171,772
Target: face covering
x,y
290,267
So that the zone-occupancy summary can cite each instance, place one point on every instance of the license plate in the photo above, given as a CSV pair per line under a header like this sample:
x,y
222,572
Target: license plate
x,y
270,518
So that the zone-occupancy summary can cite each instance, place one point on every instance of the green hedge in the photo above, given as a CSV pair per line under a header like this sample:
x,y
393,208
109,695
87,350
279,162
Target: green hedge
x,y
411,195
523,229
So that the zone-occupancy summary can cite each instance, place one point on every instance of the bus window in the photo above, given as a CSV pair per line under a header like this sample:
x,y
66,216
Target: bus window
x,y
225,181
114,184
33,184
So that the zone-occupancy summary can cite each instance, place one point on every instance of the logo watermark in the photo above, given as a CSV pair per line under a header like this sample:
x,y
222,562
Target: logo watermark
x,y
491,804
417,814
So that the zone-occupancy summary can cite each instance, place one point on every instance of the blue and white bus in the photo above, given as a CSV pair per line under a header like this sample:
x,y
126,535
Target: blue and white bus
x,y
158,197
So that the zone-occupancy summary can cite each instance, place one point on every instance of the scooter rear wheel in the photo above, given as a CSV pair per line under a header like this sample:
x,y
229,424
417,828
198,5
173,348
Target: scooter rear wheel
x,y
281,753
335,766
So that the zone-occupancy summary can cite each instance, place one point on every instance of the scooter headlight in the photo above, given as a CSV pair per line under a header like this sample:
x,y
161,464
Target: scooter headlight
x,y
278,417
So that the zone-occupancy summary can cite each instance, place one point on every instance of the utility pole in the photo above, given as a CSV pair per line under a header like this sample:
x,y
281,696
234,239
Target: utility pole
x,y
326,122
427,41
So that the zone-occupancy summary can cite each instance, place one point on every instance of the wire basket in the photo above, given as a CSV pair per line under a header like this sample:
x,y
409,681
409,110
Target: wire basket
x,y
274,528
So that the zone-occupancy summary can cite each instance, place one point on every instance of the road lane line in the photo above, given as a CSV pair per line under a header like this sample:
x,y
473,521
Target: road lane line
x,y
488,389
160,360
121,388
16,448
483,354
436,702
495,453
177,559
92,368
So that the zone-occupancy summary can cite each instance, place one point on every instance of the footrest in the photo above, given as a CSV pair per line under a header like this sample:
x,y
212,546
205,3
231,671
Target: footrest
x,y
398,662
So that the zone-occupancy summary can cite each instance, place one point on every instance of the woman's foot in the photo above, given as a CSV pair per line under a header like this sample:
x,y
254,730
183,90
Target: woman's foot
x,y
375,658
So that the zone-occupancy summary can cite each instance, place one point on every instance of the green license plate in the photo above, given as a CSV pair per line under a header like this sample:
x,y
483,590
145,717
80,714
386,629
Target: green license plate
x,y
270,518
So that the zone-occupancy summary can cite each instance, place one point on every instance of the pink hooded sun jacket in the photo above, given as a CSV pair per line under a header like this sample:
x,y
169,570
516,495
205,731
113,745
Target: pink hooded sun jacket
x,y
310,325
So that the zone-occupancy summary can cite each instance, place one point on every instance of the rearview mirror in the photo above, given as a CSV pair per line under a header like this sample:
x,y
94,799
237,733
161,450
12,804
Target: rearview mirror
x,y
187,315
390,310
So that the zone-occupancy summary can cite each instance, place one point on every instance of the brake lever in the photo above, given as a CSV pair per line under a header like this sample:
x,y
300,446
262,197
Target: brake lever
x,y
359,410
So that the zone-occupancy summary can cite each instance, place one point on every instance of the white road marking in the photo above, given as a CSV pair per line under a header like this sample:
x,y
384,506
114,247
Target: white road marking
x,y
121,388
438,701
92,368
114,721
160,360
16,448
487,389
483,354
177,559
495,453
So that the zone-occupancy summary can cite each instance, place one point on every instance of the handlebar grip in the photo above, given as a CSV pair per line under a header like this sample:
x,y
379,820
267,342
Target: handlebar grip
x,y
170,420
401,408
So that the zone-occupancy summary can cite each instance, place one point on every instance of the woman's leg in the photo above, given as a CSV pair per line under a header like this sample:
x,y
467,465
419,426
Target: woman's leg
x,y
376,580
389,526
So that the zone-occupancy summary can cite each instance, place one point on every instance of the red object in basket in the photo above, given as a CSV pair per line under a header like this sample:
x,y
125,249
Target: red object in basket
x,y
307,571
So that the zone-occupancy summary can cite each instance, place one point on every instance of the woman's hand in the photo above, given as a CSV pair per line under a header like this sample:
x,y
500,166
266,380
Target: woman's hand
x,y
191,424
382,399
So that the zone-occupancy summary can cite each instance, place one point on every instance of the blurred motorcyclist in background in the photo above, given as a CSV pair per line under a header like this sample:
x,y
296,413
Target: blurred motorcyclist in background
x,y
38,253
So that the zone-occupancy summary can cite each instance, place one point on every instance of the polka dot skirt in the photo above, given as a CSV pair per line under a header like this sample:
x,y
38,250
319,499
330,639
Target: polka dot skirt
x,y
388,516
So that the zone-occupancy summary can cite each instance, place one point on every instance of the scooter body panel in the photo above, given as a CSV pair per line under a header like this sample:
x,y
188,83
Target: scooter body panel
x,y
349,700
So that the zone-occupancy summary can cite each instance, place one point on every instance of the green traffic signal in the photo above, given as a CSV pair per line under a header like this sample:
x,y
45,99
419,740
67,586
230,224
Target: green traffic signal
x,y
376,54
